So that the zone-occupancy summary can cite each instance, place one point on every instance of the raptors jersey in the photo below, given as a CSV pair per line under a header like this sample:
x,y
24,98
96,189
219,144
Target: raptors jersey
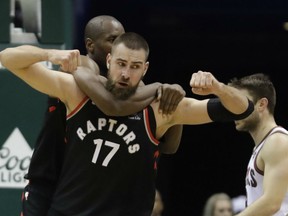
x,y
110,164
50,146
254,176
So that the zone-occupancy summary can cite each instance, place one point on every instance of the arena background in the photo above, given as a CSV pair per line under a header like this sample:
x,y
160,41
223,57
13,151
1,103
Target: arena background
x,y
227,38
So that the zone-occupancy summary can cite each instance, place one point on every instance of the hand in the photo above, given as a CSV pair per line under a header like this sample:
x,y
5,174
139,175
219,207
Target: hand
x,y
204,83
169,97
68,60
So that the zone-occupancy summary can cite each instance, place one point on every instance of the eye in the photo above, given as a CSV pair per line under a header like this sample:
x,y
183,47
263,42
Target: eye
x,y
135,66
111,39
121,64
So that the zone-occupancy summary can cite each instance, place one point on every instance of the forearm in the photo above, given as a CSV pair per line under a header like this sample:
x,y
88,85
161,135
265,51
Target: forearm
x,y
22,56
145,92
232,99
141,99
217,112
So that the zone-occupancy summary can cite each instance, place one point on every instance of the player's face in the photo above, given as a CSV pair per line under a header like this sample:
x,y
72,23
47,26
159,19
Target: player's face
x,y
248,124
126,69
103,44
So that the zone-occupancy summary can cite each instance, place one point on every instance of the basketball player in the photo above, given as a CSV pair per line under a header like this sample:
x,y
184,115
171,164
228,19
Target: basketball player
x,y
100,32
47,158
110,163
267,174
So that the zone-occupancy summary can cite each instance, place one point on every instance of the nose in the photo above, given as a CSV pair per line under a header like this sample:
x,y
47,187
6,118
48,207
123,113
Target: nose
x,y
125,73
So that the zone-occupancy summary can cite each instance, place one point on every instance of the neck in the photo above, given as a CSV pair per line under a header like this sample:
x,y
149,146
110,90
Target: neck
x,y
262,130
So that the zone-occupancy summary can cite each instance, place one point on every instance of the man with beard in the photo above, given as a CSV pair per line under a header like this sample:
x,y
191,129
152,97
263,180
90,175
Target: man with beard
x,y
267,174
47,158
110,164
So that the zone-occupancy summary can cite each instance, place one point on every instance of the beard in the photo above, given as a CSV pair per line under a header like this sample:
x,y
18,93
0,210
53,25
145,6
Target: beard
x,y
249,124
120,93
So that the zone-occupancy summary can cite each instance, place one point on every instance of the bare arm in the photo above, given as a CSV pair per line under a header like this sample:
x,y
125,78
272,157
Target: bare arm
x,y
275,182
24,56
235,104
93,85
191,111
204,83
24,62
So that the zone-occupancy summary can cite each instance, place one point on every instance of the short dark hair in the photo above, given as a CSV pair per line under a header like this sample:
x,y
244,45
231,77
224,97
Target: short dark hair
x,y
132,41
259,86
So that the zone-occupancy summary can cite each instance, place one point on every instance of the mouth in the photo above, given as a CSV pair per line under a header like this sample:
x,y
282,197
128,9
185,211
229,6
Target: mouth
x,y
122,84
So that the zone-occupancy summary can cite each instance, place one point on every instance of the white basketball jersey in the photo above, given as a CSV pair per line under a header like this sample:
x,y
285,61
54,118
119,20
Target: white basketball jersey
x,y
254,176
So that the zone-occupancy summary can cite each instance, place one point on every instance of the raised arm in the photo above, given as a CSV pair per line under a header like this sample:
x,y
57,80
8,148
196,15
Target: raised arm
x,y
25,62
230,103
24,56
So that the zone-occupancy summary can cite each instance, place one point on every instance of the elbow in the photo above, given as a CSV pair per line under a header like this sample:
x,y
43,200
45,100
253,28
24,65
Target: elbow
x,y
6,59
247,112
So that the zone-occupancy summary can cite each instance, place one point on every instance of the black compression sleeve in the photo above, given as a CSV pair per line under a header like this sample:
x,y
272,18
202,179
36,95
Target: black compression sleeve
x,y
217,112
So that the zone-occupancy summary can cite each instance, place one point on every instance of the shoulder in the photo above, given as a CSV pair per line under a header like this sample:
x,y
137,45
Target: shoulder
x,y
276,146
88,63
278,139
72,94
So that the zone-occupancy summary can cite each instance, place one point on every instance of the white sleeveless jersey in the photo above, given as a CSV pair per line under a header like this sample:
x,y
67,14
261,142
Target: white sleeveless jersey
x,y
254,176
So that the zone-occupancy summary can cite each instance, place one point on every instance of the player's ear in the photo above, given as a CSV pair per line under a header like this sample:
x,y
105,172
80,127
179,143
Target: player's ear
x,y
89,45
146,68
108,59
